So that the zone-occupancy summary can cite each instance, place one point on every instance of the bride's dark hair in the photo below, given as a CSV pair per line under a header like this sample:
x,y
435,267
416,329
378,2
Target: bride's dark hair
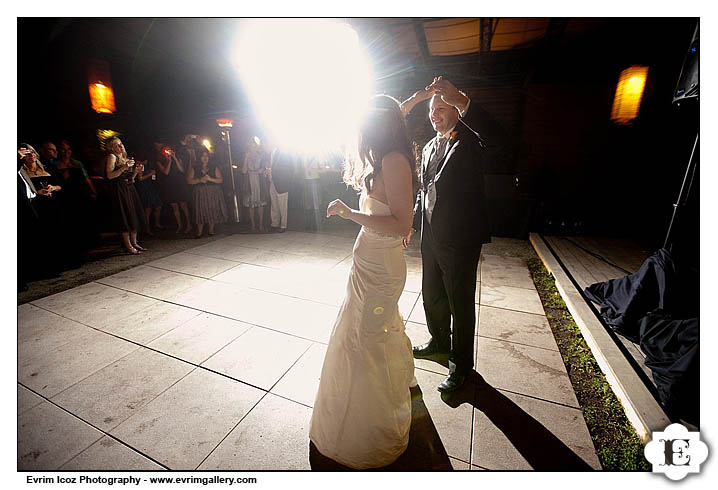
x,y
383,131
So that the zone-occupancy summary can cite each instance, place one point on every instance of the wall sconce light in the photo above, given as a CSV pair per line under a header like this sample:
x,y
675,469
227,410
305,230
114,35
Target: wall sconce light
x,y
629,92
99,83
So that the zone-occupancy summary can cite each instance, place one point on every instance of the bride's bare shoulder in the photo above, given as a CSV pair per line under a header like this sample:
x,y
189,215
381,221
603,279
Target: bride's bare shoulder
x,y
394,159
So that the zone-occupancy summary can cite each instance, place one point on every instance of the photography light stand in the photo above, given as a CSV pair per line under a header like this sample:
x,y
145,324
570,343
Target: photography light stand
x,y
686,92
224,126
682,196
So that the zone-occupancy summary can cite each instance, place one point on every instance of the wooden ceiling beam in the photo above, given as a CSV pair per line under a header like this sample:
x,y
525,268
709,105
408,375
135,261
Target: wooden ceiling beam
x,y
421,40
486,34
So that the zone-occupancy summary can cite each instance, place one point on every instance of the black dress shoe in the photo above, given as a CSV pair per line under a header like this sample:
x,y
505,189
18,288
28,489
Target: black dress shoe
x,y
430,349
452,383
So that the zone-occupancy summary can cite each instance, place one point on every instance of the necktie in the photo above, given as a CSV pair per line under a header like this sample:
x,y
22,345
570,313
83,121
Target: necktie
x,y
436,158
431,168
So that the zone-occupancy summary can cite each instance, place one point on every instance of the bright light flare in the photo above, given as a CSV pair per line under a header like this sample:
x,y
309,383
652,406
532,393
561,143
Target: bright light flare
x,y
309,81
207,144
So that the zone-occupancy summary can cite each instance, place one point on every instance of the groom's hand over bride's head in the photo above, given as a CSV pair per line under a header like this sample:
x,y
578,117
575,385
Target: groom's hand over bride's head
x,y
449,93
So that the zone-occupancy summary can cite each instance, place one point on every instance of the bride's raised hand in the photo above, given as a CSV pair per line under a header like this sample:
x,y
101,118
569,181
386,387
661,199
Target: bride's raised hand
x,y
337,207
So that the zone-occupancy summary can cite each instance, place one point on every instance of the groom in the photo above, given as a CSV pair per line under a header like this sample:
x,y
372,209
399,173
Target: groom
x,y
451,213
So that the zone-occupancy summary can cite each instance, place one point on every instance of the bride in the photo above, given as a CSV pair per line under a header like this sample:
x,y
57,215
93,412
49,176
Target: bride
x,y
362,411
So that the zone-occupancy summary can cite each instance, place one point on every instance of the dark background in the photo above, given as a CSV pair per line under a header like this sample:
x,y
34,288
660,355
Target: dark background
x,y
567,167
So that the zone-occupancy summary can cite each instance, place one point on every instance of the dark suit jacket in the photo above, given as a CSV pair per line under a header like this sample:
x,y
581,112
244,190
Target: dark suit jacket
x,y
459,217
282,172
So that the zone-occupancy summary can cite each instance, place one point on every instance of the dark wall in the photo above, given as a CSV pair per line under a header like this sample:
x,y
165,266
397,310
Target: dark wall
x,y
613,179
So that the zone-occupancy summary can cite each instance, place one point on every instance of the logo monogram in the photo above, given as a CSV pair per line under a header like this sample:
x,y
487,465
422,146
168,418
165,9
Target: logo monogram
x,y
676,452
669,451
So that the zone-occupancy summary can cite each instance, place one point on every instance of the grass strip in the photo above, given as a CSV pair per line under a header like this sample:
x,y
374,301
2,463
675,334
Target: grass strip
x,y
616,442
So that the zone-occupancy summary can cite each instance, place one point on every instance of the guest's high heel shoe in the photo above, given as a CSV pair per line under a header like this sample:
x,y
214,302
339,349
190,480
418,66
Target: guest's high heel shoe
x,y
140,248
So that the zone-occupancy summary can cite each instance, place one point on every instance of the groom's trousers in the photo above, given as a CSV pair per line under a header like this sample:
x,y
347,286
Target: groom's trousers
x,y
449,290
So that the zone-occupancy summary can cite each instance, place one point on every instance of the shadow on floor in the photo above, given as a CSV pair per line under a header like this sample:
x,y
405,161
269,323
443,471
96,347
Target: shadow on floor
x,y
538,445
425,450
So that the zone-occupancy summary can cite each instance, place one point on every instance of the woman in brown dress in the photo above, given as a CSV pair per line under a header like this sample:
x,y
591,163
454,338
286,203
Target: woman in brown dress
x,y
208,202
127,212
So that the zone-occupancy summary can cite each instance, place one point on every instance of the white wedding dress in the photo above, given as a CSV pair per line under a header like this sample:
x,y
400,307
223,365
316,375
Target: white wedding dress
x,y
362,411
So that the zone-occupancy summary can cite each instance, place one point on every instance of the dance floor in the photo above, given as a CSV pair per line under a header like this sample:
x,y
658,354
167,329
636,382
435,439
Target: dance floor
x,y
209,359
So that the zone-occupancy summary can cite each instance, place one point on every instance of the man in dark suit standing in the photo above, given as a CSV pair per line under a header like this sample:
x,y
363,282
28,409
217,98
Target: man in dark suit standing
x,y
451,213
281,174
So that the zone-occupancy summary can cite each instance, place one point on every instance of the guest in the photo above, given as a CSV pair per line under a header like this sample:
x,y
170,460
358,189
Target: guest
x,y
73,171
58,216
254,169
189,150
75,203
102,206
208,202
173,187
48,152
312,193
44,184
281,172
30,259
127,215
146,185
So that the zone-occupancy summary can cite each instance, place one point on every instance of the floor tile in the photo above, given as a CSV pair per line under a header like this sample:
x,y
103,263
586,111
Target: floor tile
x,y
301,382
247,275
200,338
317,286
274,436
109,455
47,437
277,260
459,465
417,333
413,264
492,260
517,432
413,282
149,323
417,313
210,296
344,266
184,424
94,304
152,282
26,399
115,392
259,357
64,366
302,318
452,424
514,326
226,249
40,331
193,264
510,298
512,275
407,300
525,369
